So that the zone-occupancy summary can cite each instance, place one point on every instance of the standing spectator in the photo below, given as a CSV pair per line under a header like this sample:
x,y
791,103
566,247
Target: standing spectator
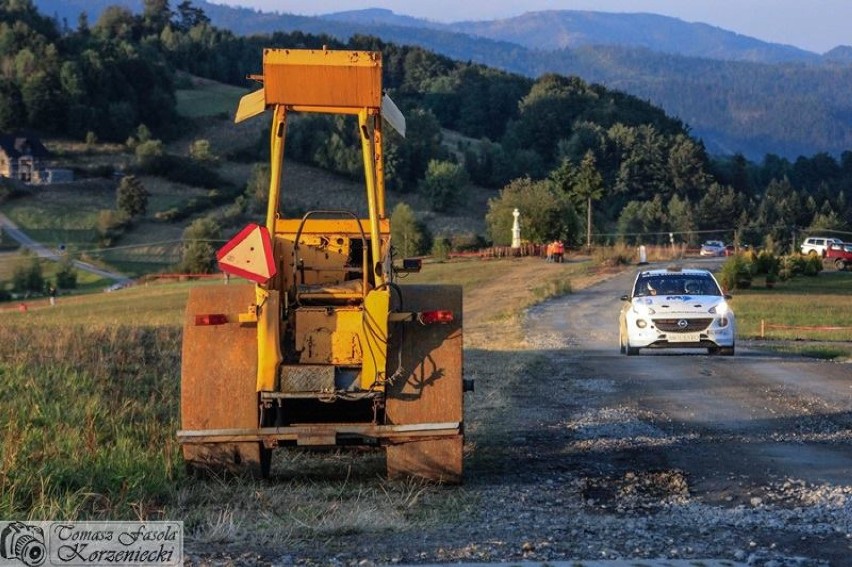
x,y
549,251
52,293
558,251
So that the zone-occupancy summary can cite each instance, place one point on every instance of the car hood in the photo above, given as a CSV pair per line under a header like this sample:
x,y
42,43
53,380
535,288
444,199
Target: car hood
x,y
679,304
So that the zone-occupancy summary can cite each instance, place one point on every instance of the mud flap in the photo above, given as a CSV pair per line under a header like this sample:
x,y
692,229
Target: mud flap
x,y
218,381
429,388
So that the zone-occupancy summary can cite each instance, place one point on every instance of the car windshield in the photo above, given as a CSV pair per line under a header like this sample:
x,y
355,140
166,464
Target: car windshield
x,y
675,284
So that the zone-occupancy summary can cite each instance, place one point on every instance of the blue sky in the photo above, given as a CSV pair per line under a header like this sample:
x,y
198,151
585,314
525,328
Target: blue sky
x,y
815,25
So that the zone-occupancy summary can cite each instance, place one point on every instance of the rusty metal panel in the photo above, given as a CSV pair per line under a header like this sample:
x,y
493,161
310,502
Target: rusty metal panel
x,y
328,335
307,378
219,362
322,77
438,460
430,388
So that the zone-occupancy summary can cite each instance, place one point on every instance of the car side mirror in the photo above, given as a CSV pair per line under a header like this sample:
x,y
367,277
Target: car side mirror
x,y
728,296
625,298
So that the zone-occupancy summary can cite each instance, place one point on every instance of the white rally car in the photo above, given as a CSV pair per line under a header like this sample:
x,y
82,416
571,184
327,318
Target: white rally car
x,y
677,308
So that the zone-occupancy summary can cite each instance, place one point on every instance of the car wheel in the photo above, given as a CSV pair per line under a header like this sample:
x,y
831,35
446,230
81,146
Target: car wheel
x,y
812,252
632,351
621,346
727,351
713,350
840,264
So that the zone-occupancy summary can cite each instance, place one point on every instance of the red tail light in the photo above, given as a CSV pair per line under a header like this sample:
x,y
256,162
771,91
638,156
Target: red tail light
x,y
429,317
211,319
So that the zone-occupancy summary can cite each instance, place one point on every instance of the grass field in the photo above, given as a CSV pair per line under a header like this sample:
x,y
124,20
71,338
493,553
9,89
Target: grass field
x,y
208,99
815,302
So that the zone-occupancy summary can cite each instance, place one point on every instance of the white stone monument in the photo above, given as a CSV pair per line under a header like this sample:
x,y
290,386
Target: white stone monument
x,y
516,230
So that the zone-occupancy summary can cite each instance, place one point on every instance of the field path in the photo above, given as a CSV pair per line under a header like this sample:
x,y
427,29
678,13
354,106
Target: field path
x,y
43,251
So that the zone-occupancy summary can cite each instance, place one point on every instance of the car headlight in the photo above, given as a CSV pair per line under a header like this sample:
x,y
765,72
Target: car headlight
x,y
640,309
720,308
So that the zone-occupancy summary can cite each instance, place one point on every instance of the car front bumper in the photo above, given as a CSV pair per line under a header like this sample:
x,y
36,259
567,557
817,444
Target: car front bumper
x,y
652,337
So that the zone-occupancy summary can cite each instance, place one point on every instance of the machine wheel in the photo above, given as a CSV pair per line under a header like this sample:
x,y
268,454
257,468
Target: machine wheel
x,y
218,382
430,388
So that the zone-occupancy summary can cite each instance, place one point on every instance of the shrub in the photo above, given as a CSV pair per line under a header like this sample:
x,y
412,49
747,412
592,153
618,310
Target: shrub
x,y
737,272
445,185
66,276
132,196
441,248
199,255
789,267
408,236
466,241
200,150
28,278
813,265
765,263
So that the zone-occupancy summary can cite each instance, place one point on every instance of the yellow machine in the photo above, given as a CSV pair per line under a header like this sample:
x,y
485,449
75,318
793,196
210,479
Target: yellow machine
x,y
325,348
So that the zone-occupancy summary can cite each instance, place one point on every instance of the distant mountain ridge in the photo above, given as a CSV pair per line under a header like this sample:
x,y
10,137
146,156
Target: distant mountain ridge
x,y
737,93
559,29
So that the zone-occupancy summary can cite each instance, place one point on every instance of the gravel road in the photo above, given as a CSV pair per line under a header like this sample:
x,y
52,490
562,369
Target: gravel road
x,y
747,458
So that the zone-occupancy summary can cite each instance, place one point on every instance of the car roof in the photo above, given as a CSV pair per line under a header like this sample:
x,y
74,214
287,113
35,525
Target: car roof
x,y
674,272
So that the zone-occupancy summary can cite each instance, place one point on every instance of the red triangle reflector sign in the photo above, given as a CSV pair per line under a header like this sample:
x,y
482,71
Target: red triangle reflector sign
x,y
249,255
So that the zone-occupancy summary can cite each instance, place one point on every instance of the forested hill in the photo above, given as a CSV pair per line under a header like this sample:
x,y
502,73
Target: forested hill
x,y
788,108
555,142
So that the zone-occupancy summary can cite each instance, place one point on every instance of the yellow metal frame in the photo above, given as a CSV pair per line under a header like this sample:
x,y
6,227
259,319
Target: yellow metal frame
x,y
330,82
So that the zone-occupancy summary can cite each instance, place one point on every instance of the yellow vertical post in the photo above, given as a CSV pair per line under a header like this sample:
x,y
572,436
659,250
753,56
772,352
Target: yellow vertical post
x,y
267,300
380,164
372,200
276,161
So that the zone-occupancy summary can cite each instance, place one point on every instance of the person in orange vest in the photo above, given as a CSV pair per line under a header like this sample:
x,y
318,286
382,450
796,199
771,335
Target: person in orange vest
x,y
549,251
558,251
